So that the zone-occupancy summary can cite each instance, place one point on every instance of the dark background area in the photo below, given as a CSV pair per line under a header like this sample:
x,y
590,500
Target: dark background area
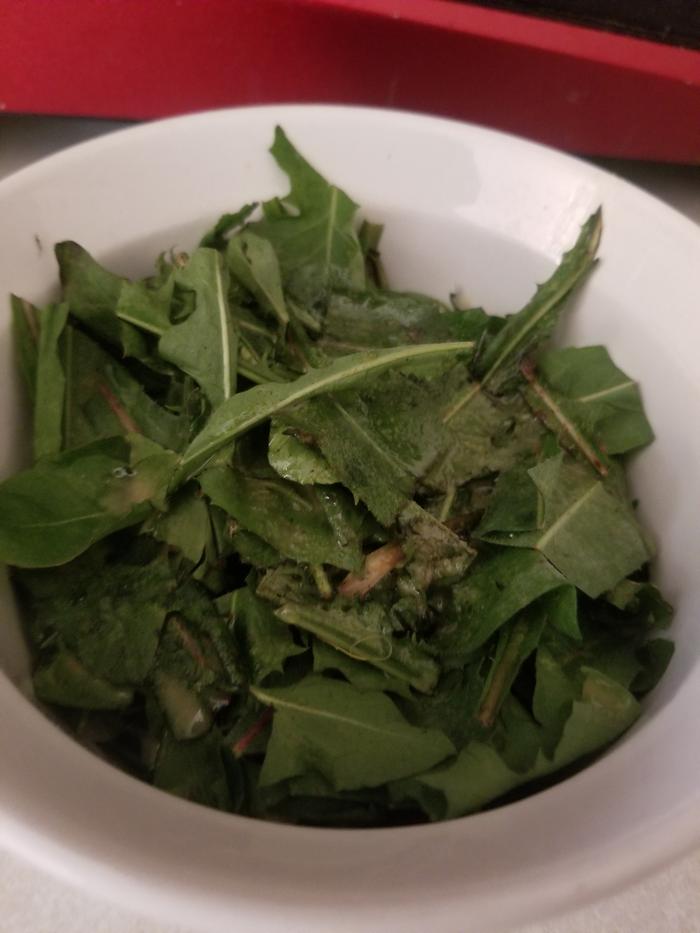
x,y
676,22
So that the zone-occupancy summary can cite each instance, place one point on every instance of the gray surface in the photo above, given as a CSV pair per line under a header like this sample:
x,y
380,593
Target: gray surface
x,y
32,902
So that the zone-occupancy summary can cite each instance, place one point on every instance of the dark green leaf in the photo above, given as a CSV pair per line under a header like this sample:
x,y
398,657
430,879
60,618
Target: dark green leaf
x,y
109,618
264,641
480,774
516,642
359,673
453,705
353,739
490,436
654,657
500,585
193,770
65,682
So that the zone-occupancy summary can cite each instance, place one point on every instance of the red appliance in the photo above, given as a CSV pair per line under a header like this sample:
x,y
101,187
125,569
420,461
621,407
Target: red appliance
x,y
584,89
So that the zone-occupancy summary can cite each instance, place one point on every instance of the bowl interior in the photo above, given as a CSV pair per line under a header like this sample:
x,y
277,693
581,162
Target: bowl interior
x,y
464,209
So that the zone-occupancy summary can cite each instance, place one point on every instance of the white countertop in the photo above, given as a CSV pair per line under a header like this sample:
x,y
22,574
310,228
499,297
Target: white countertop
x,y
32,902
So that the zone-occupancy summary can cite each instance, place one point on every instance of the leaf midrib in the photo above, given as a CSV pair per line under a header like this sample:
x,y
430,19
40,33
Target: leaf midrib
x,y
278,703
565,517
603,393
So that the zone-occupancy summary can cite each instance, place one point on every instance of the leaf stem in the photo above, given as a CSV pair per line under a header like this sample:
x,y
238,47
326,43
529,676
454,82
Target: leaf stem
x,y
252,733
501,677
587,449
321,580
121,414
377,565
446,506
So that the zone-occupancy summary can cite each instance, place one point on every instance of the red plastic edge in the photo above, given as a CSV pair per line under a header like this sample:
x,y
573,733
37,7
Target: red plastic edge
x,y
580,89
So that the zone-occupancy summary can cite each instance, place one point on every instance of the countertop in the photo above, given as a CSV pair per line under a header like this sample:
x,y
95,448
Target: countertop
x,y
33,902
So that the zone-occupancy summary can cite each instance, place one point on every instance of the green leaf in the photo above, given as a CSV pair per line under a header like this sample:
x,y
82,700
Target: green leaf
x,y
306,523
92,293
58,508
452,706
296,460
65,682
642,603
367,320
253,550
587,531
491,435
586,394
360,674
25,335
246,409
252,260
108,616
499,357
654,657
205,344
147,306
514,505
370,235
517,640
312,230
501,584
193,770
50,383
364,633
562,612
185,525
353,739
217,236
480,775
263,640
355,453
102,399
384,435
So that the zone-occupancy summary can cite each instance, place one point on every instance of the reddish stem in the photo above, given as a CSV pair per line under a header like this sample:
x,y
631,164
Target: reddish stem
x,y
122,415
242,744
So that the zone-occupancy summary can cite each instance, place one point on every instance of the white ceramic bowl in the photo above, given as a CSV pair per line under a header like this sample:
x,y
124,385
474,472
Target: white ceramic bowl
x,y
463,206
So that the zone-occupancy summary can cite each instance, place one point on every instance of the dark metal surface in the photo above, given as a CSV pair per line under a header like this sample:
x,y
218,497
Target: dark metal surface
x,y
675,22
